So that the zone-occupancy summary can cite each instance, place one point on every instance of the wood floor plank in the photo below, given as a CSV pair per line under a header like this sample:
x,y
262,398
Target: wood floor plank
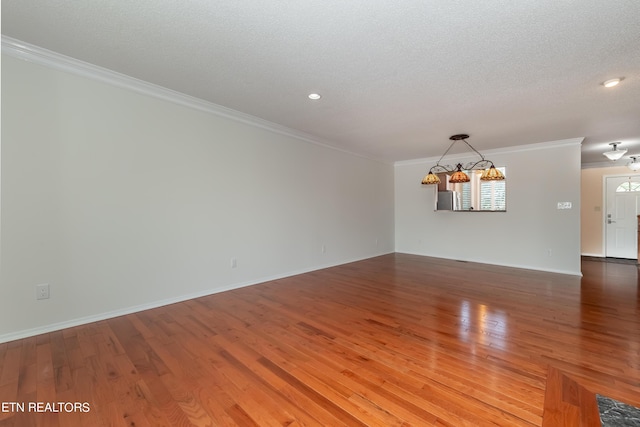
x,y
567,403
396,340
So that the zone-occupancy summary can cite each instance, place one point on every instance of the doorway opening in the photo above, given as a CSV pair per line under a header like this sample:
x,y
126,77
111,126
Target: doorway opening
x,y
622,201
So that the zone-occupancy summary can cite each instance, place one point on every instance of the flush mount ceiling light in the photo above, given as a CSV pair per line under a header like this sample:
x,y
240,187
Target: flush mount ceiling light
x,y
314,96
612,82
634,165
614,154
490,173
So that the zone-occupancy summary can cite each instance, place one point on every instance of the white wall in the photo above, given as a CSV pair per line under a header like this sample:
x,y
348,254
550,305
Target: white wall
x,y
122,201
538,177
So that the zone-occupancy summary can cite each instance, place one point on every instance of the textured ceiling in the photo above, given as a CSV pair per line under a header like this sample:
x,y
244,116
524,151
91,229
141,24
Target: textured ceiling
x,y
396,78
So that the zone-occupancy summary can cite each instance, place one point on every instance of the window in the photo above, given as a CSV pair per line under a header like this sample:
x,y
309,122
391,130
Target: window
x,y
628,186
493,195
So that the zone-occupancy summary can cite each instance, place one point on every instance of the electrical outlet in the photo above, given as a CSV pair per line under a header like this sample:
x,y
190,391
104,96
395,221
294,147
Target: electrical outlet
x,y
323,249
234,263
42,291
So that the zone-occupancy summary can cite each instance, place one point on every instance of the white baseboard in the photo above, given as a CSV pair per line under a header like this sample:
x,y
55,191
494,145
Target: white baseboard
x,y
25,333
521,266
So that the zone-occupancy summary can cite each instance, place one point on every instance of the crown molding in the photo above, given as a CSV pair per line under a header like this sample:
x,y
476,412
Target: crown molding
x,y
497,151
608,164
38,55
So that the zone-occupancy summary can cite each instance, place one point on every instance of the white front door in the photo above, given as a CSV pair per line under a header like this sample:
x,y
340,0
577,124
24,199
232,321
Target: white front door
x,y
621,223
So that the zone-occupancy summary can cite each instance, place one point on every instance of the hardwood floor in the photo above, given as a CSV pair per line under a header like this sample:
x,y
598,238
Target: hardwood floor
x,y
396,340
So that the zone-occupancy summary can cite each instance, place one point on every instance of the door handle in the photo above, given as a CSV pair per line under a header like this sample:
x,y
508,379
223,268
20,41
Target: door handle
x,y
609,221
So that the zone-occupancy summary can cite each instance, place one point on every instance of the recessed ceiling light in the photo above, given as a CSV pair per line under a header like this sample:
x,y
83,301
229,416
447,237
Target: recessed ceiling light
x,y
315,96
612,82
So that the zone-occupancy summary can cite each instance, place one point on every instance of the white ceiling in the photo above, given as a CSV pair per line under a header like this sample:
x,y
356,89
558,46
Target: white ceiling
x,y
396,78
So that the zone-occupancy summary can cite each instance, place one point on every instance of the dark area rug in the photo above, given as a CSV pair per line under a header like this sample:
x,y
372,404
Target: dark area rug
x,y
617,414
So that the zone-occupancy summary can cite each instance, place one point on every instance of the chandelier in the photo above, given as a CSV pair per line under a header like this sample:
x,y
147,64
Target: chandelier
x,y
614,154
490,173
634,165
